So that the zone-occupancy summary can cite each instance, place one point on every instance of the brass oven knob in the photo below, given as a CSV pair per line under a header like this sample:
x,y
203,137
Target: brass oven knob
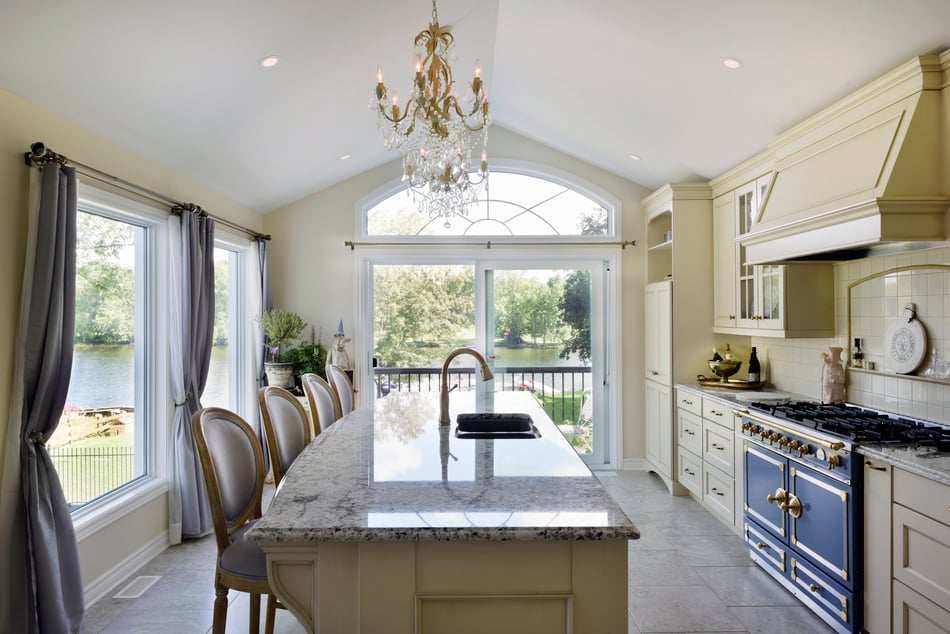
x,y
783,442
804,450
834,461
794,506
773,437
746,426
792,446
779,496
763,433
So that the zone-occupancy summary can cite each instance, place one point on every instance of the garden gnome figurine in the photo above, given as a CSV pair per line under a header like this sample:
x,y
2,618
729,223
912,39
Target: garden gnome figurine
x,y
338,355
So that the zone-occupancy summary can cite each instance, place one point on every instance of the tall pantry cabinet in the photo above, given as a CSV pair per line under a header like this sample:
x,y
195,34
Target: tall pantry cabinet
x,y
678,305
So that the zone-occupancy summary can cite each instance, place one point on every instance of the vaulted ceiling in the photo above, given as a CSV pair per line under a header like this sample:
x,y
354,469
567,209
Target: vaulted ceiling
x,y
178,81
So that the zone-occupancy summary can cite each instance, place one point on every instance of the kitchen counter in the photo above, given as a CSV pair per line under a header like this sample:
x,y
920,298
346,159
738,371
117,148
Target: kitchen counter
x,y
934,466
387,519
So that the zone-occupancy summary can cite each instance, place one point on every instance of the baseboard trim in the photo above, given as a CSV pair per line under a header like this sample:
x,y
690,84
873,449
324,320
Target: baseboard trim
x,y
110,581
636,464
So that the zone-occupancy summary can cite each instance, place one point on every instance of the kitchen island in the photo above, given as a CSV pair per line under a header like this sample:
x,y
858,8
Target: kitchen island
x,y
389,523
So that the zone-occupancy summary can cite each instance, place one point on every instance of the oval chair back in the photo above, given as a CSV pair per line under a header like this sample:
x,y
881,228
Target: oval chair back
x,y
286,428
343,387
232,462
324,406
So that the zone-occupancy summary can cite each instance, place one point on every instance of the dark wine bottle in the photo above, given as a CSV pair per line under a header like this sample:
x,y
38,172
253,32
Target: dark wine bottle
x,y
755,371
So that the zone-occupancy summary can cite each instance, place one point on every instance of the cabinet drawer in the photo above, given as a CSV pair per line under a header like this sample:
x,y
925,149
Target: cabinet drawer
x,y
690,402
719,494
717,412
923,495
718,448
913,613
824,594
922,554
690,432
690,472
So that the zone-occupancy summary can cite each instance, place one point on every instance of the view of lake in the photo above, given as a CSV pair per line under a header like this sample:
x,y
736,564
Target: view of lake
x,y
102,375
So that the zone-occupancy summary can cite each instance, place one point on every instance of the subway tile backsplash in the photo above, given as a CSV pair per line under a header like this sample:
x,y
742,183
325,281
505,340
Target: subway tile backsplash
x,y
794,365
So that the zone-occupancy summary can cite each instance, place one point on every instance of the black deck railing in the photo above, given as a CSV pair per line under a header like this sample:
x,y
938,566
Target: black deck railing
x,y
561,388
87,473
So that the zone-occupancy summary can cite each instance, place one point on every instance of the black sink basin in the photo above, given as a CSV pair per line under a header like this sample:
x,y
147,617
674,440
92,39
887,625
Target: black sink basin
x,y
495,425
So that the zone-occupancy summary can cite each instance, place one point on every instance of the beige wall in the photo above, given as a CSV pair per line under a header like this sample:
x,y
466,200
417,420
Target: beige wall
x,y
22,123
313,274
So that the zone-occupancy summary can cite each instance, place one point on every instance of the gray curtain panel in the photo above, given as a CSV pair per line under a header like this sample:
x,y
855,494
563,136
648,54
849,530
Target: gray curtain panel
x,y
196,331
267,302
54,592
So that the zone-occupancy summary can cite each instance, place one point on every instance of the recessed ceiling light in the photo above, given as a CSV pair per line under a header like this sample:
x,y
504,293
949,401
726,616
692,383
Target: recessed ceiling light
x,y
731,63
270,61
635,157
345,157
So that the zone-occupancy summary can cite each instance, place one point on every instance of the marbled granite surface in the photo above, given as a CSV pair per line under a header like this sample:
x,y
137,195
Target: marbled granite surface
x,y
932,466
392,474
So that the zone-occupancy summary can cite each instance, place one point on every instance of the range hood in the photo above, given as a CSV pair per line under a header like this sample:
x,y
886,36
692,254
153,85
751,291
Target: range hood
x,y
866,175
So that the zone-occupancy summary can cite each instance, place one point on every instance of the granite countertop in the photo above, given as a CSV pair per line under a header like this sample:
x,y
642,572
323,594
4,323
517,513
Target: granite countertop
x,y
935,466
388,472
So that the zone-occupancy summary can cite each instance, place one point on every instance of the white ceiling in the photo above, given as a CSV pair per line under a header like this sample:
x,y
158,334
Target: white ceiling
x,y
178,81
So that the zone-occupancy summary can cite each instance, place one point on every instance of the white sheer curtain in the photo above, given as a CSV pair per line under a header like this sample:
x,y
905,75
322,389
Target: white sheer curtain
x,y
253,338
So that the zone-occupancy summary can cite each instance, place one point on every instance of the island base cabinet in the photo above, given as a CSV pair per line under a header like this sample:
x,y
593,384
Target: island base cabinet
x,y
457,587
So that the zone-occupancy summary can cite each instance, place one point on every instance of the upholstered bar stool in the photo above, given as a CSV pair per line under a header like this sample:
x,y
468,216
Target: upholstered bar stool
x,y
343,387
233,465
286,427
324,406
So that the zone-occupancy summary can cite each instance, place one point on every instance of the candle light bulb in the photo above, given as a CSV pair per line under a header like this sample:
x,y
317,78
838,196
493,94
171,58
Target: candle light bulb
x,y
478,69
379,74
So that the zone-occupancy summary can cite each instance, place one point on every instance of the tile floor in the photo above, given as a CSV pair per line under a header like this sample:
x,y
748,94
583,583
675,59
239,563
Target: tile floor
x,y
688,573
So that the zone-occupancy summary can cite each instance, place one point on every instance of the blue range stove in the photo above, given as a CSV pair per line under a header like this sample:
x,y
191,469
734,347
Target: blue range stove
x,y
803,496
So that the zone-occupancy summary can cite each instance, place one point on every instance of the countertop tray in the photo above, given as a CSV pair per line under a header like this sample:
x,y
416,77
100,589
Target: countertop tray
x,y
732,384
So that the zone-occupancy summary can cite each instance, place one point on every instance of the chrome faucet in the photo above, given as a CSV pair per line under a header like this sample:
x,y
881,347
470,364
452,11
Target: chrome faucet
x,y
444,392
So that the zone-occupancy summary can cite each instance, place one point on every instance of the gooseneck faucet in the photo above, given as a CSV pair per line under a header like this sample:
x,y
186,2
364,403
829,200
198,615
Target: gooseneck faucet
x,y
444,391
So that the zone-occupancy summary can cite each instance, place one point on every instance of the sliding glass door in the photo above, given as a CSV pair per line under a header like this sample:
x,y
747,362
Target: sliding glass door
x,y
541,323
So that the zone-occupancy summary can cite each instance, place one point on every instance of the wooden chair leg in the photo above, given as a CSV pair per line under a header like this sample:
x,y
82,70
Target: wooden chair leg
x,y
254,626
271,610
220,620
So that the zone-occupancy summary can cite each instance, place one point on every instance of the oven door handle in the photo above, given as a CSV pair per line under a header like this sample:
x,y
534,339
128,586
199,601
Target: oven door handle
x,y
832,445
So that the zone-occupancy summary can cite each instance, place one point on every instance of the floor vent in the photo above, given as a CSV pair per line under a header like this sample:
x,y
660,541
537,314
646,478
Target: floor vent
x,y
137,587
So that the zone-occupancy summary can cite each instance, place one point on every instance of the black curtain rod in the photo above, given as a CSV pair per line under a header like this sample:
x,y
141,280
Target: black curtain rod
x,y
41,155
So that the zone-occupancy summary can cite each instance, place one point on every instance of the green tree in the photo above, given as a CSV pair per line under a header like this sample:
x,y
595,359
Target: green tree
x,y
593,223
220,300
575,311
525,307
420,309
105,280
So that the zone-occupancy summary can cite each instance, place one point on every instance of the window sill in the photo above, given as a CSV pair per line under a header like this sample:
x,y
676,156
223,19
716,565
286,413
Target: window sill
x,y
90,520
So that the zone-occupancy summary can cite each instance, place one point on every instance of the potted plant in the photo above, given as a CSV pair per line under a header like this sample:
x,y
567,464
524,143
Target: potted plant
x,y
280,327
307,357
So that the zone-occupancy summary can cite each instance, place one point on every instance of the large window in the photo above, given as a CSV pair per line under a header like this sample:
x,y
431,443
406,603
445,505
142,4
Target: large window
x,y
102,442
542,317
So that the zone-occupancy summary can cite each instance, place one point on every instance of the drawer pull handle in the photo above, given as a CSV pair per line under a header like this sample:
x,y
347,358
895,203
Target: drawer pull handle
x,y
761,546
870,464
718,492
691,433
686,469
718,447
654,373
814,588
715,412
687,402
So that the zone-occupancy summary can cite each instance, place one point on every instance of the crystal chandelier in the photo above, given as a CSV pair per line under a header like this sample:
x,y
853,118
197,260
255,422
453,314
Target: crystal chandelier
x,y
435,132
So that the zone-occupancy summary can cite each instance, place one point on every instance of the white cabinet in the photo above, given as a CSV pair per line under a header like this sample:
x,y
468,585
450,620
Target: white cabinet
x,y
921,554
707,455
769,300
659,428
658,357
658,309
877,541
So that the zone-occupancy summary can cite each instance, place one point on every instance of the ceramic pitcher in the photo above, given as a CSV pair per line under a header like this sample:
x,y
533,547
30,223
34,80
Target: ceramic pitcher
x,y
832,376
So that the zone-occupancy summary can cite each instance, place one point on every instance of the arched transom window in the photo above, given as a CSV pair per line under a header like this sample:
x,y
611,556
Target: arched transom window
x,y
514,204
